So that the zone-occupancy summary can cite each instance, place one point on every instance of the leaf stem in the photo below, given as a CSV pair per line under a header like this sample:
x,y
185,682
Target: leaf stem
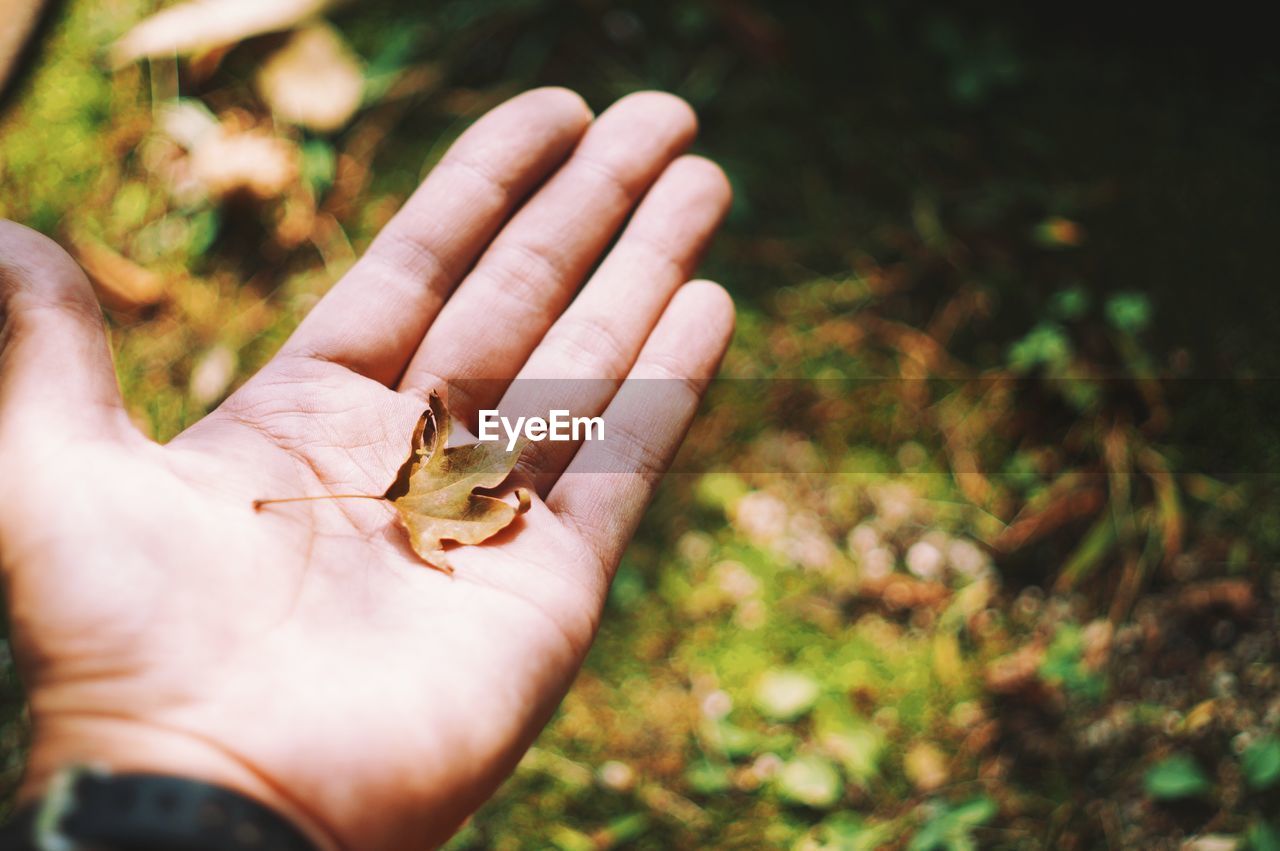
x,y
259,503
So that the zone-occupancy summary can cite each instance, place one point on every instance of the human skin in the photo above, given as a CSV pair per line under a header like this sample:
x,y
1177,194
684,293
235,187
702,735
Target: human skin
x,y
302,654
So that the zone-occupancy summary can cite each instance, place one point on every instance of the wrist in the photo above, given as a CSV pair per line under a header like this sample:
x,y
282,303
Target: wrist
x,y
120,745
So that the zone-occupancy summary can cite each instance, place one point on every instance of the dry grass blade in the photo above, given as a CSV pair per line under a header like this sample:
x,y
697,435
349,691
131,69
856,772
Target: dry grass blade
x,y
1066,505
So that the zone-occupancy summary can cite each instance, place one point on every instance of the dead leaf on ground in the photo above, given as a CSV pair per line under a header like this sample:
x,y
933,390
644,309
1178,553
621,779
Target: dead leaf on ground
x,y
926,767
313,80
251,162
1233,596
212,375
200,155
434,493
201,25
899,591
120,283
1065,507
1017,672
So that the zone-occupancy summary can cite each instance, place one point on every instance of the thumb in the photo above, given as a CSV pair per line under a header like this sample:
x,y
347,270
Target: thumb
x,y
55,365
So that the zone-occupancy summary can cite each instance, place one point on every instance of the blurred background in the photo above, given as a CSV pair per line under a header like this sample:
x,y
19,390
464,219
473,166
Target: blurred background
x,y
997,567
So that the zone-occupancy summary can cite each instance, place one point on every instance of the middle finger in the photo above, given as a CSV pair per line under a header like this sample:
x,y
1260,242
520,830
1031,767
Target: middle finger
x,y
505,305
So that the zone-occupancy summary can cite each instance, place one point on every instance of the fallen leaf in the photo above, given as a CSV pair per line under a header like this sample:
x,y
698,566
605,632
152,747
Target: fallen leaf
x,y
1234,597
434,494
212,375
1217,842
253,162
858,748
786,695
201,25
1016,672
926,767
1200,716
313,80
948,660
120,283
810,781
899,591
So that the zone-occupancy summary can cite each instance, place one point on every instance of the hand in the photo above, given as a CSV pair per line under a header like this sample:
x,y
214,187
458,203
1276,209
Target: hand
x,y
303,654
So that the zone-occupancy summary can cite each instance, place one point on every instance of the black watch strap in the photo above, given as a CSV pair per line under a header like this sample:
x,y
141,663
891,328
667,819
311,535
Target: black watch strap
x,y
93,811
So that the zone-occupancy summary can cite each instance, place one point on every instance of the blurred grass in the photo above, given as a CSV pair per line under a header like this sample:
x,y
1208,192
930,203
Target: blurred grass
x,y
798,660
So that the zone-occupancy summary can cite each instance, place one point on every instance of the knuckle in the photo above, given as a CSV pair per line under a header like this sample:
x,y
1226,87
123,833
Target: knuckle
x,y
636,454
592,346
491,182
526,273
403,256
625,189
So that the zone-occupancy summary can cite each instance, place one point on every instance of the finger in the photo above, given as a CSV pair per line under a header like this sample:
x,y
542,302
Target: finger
x,y
524,279
590,348
375,317
55,365
606,487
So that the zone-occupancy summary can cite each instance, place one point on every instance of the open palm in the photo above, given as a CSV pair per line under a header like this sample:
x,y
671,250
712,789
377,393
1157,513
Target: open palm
x,y
304,654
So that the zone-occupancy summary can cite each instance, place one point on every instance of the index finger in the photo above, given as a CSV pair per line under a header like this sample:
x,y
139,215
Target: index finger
x,y
374,318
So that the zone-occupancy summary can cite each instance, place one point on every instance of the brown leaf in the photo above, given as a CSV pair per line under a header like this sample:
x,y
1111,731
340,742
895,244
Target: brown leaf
x,y
255,163
1062,509
120,283
899,591
212,375
926,767
1231,596
313,80
1017,672
434,494
207,24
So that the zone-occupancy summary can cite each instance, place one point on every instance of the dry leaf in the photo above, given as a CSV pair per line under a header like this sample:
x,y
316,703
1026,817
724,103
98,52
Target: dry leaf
x,y
187,121
1234,597
313,80
206,24
1016,672
926,767
212,375
251,162
120,283
899,591
434,494
218,157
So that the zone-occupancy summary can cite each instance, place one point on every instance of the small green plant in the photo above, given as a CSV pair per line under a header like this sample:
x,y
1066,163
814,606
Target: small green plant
x,y
846,832
950,827
1175,778
810,781
1261,763
1262,836
1064,665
